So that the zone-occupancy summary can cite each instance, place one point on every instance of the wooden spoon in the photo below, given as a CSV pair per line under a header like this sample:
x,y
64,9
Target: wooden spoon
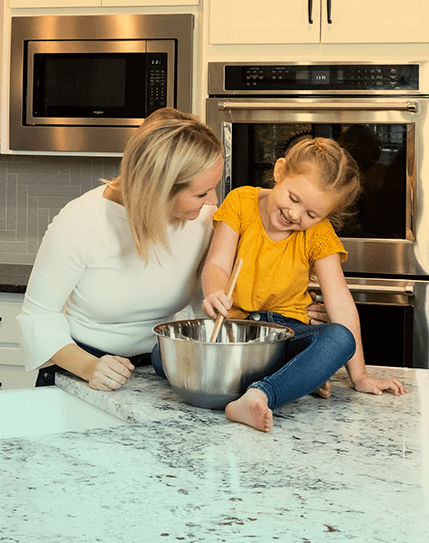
x,y
228,291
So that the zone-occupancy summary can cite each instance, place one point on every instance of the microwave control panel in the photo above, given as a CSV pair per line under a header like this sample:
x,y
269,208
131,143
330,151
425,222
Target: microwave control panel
x,y
156,81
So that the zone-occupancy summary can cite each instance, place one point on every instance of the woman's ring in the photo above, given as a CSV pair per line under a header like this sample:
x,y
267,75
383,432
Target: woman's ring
x,y
108,381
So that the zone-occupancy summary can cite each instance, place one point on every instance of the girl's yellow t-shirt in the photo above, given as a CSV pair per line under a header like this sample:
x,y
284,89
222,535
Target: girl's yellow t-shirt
x,y
275,274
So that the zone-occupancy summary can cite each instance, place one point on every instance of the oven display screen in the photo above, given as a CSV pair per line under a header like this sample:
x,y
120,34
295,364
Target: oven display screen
x,y
320,77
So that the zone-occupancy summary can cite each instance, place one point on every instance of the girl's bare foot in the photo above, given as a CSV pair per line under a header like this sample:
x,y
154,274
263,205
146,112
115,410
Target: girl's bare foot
x,y
251,409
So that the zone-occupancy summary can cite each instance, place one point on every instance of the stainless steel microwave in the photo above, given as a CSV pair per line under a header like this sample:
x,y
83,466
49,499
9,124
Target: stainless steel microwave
x,y
84,83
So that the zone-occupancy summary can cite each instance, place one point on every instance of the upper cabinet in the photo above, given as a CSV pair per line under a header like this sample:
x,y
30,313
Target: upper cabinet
x,y
53,3
166,3
374,21
318,21
97,3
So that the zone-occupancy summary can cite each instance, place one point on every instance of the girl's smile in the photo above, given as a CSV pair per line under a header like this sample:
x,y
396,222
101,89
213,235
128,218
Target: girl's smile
x,y
296,203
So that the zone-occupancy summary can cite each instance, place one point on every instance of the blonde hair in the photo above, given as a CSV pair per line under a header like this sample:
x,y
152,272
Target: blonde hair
x,y
337,170
163,158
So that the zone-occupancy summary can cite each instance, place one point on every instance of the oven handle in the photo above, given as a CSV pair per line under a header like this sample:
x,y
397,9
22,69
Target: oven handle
x,y
407,290
312,106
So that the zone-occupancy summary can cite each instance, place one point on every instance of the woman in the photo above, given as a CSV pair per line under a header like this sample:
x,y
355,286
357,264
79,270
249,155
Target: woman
x,y
123,257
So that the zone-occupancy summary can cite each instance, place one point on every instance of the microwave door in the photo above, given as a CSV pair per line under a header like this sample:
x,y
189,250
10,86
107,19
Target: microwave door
x,y
72,84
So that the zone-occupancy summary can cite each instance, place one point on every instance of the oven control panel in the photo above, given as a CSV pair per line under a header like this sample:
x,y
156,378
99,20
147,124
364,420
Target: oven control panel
x,y
290,77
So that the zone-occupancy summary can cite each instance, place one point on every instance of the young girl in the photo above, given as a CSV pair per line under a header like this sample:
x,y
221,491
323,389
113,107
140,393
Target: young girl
x,y
281,234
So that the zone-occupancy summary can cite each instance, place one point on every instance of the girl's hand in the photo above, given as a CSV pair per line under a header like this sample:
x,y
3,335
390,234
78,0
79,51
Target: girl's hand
x,y
372,385
324,391
217,302
110,373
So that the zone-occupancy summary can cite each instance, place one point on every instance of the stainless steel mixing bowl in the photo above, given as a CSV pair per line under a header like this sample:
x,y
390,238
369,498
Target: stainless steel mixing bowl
x,y
213,374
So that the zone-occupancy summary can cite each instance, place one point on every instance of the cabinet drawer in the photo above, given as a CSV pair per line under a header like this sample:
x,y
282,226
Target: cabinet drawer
x,y
12,377
10,307
11,355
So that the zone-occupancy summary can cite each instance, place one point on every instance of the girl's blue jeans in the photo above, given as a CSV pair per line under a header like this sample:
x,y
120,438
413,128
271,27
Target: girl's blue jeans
x,y
311,358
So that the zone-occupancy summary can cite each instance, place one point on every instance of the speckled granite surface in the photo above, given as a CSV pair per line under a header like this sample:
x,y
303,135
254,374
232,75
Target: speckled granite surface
x,y
351,468
14,277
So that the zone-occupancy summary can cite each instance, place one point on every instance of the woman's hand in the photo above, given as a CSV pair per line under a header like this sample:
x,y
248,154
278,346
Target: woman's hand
x,y
110,373
217,302
317,312
373,385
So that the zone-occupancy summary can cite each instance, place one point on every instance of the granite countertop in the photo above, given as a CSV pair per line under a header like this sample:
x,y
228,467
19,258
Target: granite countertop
x,y
14,277
351,468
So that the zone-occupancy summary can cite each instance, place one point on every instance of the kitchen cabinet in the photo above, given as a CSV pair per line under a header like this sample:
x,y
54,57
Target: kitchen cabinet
x,y
164,3
97,3
53,3
12,368
318,21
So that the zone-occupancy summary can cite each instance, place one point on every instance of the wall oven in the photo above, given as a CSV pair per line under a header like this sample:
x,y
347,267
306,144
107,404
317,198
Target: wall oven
x,y
85,83
379,112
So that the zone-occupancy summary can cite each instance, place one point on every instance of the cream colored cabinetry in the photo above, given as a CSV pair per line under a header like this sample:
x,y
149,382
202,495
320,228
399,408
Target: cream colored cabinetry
x,y
12,370
269,21
53,3
318,21
97,3
165,3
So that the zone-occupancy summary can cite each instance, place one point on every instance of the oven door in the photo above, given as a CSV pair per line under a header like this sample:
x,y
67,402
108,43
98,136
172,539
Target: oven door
x,y
384,134
394,317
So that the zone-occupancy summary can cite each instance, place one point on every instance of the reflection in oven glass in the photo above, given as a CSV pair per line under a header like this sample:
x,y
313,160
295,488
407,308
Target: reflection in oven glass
x,y
382,152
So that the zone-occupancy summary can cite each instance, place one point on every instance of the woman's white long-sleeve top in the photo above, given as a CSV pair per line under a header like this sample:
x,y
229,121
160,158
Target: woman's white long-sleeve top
x,y
89,284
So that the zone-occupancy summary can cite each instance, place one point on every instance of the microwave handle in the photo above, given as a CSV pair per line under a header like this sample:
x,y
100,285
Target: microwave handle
x,y
407,290
303,105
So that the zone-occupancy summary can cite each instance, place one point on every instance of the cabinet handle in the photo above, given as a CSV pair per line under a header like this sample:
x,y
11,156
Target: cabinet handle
x,y
329,12
310,12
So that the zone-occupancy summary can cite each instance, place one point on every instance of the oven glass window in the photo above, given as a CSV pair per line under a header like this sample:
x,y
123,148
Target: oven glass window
x,y
384,153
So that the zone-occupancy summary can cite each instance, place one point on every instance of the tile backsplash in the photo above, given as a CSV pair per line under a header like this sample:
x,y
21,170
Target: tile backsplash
x,y
33,189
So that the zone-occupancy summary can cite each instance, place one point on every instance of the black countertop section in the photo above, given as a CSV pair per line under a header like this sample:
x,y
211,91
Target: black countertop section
x,y
14,277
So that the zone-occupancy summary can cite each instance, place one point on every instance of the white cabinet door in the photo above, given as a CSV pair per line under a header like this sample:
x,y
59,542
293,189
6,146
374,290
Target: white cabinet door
x,y
97,3
12,377
375,21
289,21
12,370
266,21
10,307
53,3
166,3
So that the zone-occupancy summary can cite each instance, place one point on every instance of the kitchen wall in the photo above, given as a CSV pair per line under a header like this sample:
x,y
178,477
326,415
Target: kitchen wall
x,y
32,191
34,188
